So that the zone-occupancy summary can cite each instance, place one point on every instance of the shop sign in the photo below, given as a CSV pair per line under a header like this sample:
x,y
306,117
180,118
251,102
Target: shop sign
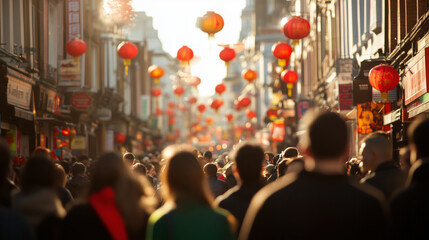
x,y
47,99
18,93
104,114
78,143
278,131
416,76
69,73
73,19
81,101
20,76
369,117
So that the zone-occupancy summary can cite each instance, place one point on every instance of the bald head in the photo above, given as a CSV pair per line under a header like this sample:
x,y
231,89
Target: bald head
x,y
376,149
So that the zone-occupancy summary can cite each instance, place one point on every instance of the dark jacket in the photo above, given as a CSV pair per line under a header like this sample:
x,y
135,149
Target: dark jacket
x,y
13,226
6,188
311,205
237,200
217,186
65,196
387,178
77,185
410,208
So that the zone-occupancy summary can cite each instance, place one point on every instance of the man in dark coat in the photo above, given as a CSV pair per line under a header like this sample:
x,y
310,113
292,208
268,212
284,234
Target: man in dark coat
x,y
248,158
410,208
79,181
217,186
320,202
376,151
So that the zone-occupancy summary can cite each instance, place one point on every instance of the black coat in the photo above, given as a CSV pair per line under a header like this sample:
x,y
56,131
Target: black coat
x,y
311,205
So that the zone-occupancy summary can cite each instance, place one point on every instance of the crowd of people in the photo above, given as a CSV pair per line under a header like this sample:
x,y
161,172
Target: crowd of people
x,y
314,190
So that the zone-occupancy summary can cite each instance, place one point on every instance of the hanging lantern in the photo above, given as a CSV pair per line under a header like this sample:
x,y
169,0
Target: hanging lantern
x,y
65,131
229,117
220,88
289,77
192,100
272,113
72,133
181,107
250,114
237,105
296,28
245,101
249,74
227,55
195,81
216,104
282,51
170,112
185,54
171,121
158,112
211,23
156,92
201,108
171,104
178,90
156,72
76,47
120,138
384,78
209,121
127,51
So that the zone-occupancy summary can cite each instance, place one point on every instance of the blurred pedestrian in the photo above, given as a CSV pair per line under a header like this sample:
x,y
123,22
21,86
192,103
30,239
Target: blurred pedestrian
x,y
78,184
217,186
129,159
63,193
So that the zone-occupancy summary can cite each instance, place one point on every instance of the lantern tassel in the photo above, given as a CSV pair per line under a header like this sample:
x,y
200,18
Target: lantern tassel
x,y
384,96
282,63
295,42
226,65
156,80
289,89
76,59
127,62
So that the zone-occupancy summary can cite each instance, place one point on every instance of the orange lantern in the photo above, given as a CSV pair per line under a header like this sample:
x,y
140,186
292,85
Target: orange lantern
x,y
156,72
216,104
195,81
289,77
249,74
384,78
229,117
296,28
156,92
250,114
282,51
185,54
127,51
192,100
76,47
211,23
178,90
209,121
245,101
201,108
120,138
220,88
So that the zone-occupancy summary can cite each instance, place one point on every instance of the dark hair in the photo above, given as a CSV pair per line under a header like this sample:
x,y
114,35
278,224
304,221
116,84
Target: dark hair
x,y
270,156
418,133
282,168
249,158
328,136
78,168
66,166
82,158
290,152
38,172
4,159
210,169
129,157
42,152
208,154
183,176
60,175
140,168
106,171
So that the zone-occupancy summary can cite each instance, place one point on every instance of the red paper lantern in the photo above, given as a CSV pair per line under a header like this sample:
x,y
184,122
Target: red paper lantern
x,y
65,131
245,101
209,121
272,113
156,92
296,28
195,81
185,54
120,138
250,114
192,100
211,23
76,47
171,121
178,90
282,51
229,117
201,108
171,104
216,104
384,78
249,74
237,105
181,107
220,88
156,72
158,112
127,51
170,112
227,55
289,77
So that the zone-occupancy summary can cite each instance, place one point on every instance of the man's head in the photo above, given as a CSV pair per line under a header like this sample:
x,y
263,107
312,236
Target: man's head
x,y
290,152
208,156
418,133
129,159
375,149
83,159
249,158
78,169
325,136
210,170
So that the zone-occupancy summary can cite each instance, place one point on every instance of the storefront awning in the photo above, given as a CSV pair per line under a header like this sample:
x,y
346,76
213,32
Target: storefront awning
x,y
24,114
424,107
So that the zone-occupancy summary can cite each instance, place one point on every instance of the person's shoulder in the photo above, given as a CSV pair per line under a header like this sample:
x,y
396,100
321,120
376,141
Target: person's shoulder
x,y
227,196
276,188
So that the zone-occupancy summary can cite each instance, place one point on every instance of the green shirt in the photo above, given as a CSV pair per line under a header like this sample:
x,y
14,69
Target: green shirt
x,y
189,220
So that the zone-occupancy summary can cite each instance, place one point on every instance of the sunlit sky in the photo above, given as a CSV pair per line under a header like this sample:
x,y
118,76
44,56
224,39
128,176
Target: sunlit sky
x,y
175,21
